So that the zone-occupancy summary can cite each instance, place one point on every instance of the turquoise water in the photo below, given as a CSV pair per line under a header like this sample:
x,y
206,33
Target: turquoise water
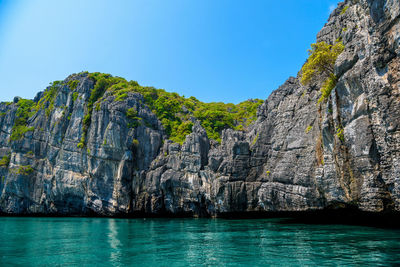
x,y
191,242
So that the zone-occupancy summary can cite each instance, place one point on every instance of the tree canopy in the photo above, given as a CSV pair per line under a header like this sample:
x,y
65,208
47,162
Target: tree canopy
x,y
175,112
320,65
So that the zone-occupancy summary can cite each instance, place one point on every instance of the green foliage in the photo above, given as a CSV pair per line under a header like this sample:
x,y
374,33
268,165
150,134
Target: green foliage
x,y
174,111
102,82
255,139
27,108
215,117
121,97
308,129
327,87
182,131
24,112
80,145
340,134
344,29
321,61
320,65
2,114
18,132
245,112
72,84
24,170
75,96
49,97
131,113
344,10
135,142
135,123
5,161
134,120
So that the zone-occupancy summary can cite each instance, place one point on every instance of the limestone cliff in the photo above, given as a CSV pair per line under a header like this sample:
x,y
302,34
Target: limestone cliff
x,y
297,156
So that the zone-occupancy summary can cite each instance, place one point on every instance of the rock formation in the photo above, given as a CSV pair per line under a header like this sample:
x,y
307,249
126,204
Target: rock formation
x,y
297,156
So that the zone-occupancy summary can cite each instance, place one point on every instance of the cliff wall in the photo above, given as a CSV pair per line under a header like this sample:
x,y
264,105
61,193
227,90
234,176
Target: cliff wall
x,y
299,155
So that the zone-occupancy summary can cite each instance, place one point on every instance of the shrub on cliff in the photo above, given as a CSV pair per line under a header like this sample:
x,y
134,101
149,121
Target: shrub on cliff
x,y
320,65
5,161
24,111
175,112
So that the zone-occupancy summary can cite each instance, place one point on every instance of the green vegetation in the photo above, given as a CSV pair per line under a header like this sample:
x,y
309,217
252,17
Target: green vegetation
x,y
2,114
49,97
344,29
320,65
255,139
24,170
121,97
5,161
27,108
174,111
134,120
344,10
308,129
24,112
102,82
72,84
327,87
340,134
81,144
135,142
75,96
18,132
131,113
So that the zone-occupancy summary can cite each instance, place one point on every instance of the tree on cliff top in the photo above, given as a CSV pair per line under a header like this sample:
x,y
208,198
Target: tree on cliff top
x,y
320,65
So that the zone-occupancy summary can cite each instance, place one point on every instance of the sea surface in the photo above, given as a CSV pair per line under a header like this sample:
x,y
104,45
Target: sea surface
x,y
191,242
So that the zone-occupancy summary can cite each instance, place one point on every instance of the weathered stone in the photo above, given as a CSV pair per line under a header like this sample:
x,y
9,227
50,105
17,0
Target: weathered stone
x,y
297,156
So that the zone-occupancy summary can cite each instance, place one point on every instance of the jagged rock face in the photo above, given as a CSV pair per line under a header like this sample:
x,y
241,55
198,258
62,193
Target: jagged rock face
x,y
297,156
70,180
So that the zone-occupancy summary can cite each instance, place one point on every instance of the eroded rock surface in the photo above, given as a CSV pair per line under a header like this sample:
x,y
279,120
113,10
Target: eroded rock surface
x,y
297,156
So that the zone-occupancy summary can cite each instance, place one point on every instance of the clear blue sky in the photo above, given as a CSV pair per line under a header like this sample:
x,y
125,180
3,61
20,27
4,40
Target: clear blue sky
x,y
215,50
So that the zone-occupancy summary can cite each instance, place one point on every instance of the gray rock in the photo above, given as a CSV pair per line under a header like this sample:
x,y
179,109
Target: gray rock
x,y
297,156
